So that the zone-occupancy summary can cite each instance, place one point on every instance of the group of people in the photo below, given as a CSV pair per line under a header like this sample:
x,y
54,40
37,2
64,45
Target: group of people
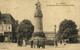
x,y
33,43
22,42
38,43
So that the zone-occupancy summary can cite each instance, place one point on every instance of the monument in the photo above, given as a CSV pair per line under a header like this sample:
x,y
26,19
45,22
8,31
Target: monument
x,y
38,29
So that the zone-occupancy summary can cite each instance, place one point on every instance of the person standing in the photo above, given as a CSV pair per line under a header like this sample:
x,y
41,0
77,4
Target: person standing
x,y
24,43
37,43
43,44
32,44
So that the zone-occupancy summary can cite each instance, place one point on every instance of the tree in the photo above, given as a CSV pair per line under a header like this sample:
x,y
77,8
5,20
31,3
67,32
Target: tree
x,y
14,30
26,29
67,30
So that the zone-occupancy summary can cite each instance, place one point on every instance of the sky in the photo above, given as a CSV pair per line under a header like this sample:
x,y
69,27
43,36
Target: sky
x,y
52,15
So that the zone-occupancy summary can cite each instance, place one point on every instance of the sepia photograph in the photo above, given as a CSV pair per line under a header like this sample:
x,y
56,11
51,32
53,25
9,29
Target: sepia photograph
x,y
39,24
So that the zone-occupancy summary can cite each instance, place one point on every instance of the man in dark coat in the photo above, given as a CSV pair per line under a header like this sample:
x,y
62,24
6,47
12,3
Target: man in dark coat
x,y
37,43
32,44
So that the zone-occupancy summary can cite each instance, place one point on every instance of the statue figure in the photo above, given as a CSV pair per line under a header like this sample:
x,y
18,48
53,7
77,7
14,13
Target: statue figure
x,y
38,12
38,5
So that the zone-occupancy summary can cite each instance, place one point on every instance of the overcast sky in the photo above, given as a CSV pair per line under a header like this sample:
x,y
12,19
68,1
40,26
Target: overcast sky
x,y
25,9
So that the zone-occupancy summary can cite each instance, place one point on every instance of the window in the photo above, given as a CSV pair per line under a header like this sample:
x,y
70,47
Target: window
x,y
9,27
10,38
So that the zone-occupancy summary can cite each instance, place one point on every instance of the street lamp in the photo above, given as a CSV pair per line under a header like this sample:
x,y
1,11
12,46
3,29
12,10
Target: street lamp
x,y
55,41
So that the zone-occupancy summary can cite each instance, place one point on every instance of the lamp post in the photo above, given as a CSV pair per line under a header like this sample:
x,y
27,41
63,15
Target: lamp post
x,y
55,41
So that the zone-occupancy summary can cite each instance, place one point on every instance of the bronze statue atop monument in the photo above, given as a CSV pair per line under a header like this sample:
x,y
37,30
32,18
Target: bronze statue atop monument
x,y
38,12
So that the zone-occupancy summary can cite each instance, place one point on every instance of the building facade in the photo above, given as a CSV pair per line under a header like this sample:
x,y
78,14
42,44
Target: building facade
x,y
7,24
49,35
6,31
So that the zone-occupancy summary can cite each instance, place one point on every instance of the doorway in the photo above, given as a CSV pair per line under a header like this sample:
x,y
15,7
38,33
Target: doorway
x,y
1,38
